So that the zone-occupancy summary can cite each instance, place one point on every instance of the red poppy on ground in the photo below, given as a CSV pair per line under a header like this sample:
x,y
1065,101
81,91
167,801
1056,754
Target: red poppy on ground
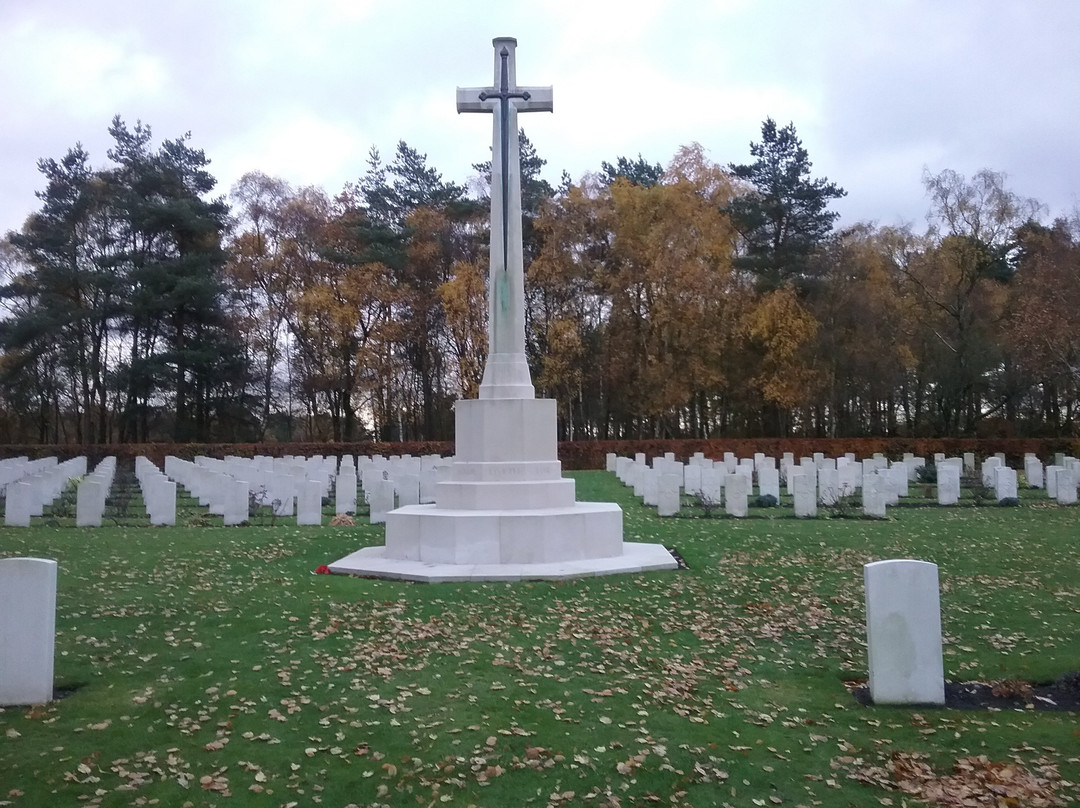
x,y
322,569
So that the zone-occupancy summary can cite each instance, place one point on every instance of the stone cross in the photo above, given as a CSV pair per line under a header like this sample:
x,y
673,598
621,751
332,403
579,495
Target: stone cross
x,y
506,373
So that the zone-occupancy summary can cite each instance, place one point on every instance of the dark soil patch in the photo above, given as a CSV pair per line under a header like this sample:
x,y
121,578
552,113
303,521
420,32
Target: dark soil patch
x,y
678,558
1062,695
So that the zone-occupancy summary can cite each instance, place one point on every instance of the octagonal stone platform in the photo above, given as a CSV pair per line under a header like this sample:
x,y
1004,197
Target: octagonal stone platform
x,y
635,557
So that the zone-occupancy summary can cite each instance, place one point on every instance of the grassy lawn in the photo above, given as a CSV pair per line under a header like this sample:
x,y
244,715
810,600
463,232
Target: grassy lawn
x,y
210,666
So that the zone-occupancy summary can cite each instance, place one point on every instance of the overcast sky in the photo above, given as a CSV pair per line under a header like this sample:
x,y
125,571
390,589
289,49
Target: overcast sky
x,y
302,89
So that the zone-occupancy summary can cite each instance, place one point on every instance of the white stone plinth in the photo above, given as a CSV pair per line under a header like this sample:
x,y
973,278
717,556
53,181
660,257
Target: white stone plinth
x,y
27,630
437,535
504,510
903,632
635,557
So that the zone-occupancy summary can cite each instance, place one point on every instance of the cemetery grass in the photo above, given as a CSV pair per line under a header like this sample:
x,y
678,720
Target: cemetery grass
x,y
210,666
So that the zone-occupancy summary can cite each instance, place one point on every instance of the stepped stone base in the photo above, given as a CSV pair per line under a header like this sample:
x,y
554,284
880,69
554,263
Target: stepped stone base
x,y
505,513
437,535
371,562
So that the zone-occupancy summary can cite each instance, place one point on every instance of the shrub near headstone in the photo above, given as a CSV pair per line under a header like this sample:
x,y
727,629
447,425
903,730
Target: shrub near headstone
x,y
712,486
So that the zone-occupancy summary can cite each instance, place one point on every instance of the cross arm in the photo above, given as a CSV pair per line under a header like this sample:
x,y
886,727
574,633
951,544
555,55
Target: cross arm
x,y
468,99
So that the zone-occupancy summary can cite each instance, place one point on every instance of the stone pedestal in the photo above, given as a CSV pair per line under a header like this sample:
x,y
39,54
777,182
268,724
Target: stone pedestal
x,y
504,512
505,500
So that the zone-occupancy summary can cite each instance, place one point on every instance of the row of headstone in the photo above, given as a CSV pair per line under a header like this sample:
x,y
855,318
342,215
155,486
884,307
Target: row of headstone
x,y
158,492
1059,479
226,486
40,485
397,481
729,482
1062,478
92,492
13,469
821,481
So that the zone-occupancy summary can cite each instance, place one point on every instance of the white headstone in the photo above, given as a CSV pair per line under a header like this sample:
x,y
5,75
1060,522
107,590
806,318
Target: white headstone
x,y
668,494
27,630
804,491
898,482
18,505
948,483
736,491
988,467
828,486
408,489
237,501
849,478
309,503
650,487
89,503
875,495
345,490
712,486
381,499
903,632
162,505
692,478
637,478
1004,483
769,480
1033,470
1066,486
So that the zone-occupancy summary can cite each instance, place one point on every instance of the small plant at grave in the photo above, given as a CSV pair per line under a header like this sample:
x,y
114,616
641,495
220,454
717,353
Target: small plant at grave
x,y
63,507
1012,689
765,501
845,506
709,506
981,494
255,498
926,474
1009,502
198,519
1069,681
257,510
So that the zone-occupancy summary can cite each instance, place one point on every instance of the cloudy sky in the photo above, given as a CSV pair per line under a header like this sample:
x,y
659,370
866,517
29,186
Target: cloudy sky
x,y
302,89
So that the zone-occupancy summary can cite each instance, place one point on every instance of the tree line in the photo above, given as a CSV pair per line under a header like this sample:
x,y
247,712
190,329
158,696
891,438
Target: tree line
x,y
688,300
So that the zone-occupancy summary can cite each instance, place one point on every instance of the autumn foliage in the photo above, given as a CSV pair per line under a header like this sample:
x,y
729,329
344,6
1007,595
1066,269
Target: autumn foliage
x,y
693,301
